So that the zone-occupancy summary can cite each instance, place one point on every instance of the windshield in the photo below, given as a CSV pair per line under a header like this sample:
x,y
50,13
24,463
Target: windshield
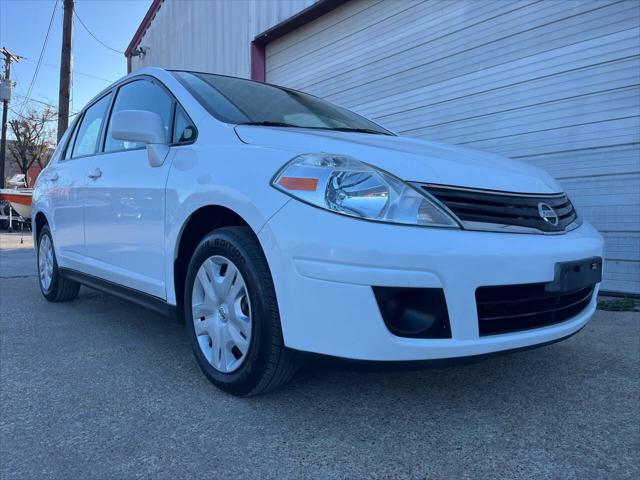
x,y
239,101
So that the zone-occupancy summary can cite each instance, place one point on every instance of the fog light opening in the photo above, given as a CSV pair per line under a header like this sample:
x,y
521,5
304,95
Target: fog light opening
x,y
414,312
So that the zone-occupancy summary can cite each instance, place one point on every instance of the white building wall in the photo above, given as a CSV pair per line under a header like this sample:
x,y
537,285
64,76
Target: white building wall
x,y
552,83
211,36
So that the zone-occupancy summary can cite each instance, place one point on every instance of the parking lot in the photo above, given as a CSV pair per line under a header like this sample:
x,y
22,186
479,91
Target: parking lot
x,y
99,388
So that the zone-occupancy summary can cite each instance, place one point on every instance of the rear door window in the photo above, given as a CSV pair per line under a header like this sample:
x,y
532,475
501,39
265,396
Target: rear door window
x,y
88,134
72,139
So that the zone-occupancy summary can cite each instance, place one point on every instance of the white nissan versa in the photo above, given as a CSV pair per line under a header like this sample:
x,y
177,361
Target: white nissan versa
x,y
272,223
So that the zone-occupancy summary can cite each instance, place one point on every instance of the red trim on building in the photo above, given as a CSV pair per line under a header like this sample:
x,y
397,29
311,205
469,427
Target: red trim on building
x,y
309,14
144,25
257,61
33,173
312,12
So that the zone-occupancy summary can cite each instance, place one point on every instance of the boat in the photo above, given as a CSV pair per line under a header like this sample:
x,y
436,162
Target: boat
x,y
19,197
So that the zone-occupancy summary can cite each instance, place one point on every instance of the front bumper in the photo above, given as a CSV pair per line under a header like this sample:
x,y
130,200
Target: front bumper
x,y
324,265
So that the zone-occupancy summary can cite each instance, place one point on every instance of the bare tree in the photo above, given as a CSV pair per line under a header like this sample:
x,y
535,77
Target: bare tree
x,y
34,138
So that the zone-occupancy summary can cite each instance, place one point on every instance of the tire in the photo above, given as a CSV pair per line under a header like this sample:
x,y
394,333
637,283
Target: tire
x,y
53,286
265,363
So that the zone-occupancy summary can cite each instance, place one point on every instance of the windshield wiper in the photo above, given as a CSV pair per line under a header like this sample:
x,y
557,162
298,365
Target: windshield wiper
x,y
359,130
267,123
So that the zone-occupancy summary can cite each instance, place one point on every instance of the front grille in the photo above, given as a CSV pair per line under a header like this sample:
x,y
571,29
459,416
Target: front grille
x,y
511,308
489,210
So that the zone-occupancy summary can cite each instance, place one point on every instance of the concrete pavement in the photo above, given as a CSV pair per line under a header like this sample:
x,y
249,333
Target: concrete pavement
x,y
99,388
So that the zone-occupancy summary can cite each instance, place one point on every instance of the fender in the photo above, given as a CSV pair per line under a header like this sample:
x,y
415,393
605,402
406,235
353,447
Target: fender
x,y
198,179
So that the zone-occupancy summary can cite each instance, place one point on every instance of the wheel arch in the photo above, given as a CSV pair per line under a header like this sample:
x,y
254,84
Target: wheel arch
x,y
196,226
40,221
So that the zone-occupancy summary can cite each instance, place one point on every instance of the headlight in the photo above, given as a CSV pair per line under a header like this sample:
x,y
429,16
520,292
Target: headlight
x,y
345,185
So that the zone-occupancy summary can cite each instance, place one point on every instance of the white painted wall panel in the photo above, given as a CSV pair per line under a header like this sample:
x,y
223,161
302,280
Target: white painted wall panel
x,y
211,36
552,83
549,82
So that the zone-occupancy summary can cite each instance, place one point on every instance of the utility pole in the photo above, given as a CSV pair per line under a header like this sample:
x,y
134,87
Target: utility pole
x,y
65,68
6,97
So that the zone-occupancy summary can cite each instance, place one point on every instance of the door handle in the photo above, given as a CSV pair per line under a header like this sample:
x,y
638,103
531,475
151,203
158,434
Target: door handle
x,y
54,177
95,174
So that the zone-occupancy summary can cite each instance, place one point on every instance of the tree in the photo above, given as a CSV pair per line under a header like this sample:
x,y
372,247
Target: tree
x,y
34,138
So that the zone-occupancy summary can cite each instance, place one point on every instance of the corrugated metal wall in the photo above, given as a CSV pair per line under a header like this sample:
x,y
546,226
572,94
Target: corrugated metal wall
x,y
211,36
553,83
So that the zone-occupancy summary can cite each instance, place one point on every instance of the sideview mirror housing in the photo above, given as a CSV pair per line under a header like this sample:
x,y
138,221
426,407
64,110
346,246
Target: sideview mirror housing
x,y
144,127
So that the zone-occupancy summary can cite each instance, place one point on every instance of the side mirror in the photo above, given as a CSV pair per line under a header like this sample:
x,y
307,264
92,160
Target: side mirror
x,y
144,127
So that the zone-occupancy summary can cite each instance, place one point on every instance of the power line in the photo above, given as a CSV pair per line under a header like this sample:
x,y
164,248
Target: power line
x,y
75,72
44,47
27,118
39,101
94,37
53,119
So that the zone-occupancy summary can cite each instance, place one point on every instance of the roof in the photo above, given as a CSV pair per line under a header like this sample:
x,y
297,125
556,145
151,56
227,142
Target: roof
x,y
144,25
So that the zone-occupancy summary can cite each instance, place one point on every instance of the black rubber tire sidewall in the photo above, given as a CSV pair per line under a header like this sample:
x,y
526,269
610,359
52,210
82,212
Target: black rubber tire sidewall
x,y
227,243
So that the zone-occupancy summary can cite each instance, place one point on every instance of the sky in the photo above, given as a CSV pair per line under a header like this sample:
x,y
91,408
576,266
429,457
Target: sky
x,y
23,27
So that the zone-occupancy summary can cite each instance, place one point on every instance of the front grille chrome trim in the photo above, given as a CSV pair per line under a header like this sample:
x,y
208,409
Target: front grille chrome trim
x,y
501,228
487,191
474,211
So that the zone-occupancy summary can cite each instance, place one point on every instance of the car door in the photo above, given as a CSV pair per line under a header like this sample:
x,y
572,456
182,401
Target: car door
x,y
125,208
67,182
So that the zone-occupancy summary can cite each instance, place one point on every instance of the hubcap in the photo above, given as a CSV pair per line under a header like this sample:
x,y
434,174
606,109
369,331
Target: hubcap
x,y
45,262
221,313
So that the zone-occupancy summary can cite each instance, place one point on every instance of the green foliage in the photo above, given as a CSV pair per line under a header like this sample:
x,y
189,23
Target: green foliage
x,y
619,305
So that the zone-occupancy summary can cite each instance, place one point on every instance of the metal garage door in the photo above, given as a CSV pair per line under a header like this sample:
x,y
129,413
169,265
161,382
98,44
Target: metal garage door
x,y
553,83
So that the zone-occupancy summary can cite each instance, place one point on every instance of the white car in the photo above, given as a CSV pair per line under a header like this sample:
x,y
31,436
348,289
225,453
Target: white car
x,y
275,224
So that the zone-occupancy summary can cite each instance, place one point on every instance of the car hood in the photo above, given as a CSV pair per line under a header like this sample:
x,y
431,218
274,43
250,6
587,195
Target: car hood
x,y
410,159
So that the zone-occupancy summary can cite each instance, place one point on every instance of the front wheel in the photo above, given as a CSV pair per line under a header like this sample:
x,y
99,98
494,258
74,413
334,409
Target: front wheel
x,y
53,286
231,314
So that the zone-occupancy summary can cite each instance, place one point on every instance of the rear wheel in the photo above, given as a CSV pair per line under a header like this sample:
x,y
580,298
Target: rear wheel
x,y
52,285
231,314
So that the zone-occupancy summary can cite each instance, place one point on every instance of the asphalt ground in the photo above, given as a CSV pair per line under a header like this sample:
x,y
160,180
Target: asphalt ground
x,y
99,388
